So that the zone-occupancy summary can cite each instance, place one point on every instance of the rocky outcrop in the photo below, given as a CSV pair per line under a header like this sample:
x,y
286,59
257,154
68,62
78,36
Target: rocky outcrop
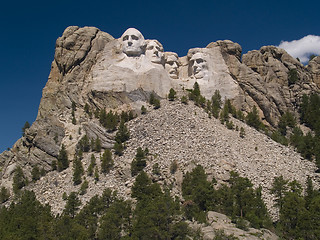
x,y
91,67
264,78
218,221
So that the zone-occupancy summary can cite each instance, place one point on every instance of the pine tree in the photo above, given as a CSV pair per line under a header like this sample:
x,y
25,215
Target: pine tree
x,y
77,171
253,119
118,148
139,163
19,180
123,133
97,145
106,161
72,205
279,188
92,165
172,94
35,173
96,174
143,109
25,127
63,161
4,195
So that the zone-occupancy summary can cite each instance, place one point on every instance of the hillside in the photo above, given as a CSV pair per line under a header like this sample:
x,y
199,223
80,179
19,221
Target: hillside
x,y
95,77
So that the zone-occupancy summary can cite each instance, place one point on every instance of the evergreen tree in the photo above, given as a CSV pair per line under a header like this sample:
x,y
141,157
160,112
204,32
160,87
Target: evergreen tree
x,y
115,223
143,109
172,94
35,173
224,114
91,165
151,99
123,133
242,133
293,76
139,163
84,187
19,180
184,100
77,171
96,174
106,161
84,144
26,219
279,188
293,216
253,119
118,148
97,145
216,103
4,195
72,205
25,127
156,103
63,161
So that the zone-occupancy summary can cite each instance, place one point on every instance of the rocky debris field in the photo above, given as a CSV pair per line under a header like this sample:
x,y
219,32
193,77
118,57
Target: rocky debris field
x,y
184,134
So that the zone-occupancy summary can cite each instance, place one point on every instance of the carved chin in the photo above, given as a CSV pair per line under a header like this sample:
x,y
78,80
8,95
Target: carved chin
x,y
132,51
199,75
155,59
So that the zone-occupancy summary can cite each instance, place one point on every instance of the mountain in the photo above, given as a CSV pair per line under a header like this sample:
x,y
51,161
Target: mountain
x,y
92,72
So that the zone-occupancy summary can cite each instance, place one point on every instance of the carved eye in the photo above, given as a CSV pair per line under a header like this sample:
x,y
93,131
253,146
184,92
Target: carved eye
x,y
199,60
134,37
125,38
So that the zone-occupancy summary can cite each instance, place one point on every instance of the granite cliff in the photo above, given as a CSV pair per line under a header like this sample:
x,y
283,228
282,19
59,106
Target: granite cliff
x,y
92,68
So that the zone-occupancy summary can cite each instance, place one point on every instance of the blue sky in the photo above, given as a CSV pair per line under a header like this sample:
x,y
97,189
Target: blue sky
x,y
29,30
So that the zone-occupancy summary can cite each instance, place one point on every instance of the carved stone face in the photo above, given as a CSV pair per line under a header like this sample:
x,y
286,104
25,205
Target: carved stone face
x,y
172,65
132,42
199,65
154,51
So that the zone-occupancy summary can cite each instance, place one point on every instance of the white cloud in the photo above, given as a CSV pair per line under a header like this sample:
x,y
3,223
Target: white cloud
x,y
303,47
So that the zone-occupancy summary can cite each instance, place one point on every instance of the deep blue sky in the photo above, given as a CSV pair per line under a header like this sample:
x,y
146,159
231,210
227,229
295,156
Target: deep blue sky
x,y
29,30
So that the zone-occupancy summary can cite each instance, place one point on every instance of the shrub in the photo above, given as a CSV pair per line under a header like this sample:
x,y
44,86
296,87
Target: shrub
x,y
143,109
172,94
293,76
184,100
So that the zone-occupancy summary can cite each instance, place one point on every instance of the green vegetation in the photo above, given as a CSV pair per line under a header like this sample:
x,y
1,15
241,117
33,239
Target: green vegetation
x,y
77,171
25,127
139,162
156,215
172,94
253,119
299,214
4,195
63,161
143,109
106,161
293,76
154,101
19,180
109,120
91,165
35,173
239,200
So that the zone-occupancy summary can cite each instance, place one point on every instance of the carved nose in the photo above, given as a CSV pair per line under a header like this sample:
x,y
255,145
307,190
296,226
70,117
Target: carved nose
x,y
129,43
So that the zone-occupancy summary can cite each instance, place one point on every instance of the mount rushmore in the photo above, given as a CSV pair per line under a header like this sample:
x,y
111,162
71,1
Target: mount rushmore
x,y
90,67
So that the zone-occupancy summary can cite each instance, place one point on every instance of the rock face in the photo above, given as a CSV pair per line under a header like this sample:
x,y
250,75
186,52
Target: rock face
x,y
92,68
